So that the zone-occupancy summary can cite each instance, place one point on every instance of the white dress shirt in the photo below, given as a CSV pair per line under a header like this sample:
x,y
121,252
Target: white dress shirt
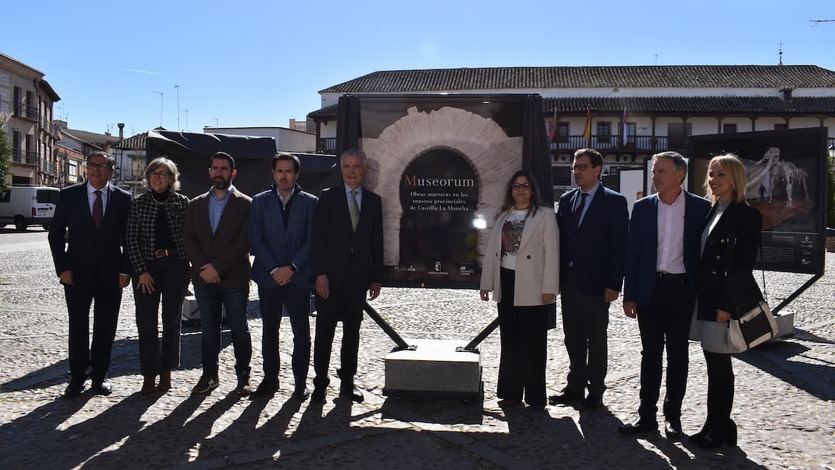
x,y
670,250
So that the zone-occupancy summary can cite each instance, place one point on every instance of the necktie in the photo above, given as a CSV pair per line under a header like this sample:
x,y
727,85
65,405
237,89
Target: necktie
x,y
578,211
355,210
98,210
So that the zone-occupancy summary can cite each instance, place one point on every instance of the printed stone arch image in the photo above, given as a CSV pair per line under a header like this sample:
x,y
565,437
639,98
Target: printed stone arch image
x,y
457,164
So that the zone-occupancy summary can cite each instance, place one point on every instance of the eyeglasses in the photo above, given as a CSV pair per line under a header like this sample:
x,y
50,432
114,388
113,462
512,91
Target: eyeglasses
x,y
520,186
161,174
100,166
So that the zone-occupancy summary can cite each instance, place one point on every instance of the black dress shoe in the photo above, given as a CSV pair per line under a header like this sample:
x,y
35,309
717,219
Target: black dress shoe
x,y
672,428
565,397
354,393
593,401
509,403
714,438
266,388
102,388
708,440
74,389
301,394
641,426
318,395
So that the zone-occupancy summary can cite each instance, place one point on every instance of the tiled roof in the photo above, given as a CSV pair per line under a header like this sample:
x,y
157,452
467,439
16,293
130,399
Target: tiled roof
x,y
93,137
708,104
645,76
326,112
670,105
135,142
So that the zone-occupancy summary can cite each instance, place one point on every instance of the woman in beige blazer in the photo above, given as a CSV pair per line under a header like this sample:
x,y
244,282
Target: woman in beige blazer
x,y
521,268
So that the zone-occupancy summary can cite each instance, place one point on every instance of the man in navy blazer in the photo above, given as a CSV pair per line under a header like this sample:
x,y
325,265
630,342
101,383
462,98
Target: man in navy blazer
x,y
93,266
660,287
593,223
347,263
280,234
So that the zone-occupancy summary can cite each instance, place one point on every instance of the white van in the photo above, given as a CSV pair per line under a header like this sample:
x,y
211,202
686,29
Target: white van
x,y
28,205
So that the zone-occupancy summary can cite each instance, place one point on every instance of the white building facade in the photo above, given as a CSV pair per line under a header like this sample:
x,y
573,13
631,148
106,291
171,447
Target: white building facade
x,y
633,111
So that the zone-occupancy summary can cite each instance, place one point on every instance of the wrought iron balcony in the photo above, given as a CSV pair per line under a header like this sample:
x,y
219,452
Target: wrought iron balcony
x,y
32,112
17,155
31,158
632,143
326,145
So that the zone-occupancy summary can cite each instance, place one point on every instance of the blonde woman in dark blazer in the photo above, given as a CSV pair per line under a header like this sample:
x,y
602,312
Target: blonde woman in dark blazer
x,y
160,270
726,289
521,268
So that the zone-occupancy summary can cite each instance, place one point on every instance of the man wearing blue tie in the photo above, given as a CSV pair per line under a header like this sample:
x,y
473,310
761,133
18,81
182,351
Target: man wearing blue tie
x,y
593,222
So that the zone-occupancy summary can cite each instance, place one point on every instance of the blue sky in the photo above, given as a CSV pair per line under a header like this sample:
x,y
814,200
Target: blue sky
x,y
262,62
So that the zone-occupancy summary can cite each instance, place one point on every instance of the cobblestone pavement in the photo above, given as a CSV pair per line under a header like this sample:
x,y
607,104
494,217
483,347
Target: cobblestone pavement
x,y
784,397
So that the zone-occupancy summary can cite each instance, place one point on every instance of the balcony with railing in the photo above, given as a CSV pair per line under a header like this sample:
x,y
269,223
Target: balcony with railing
x,y
631,143
326,145
31,158
32,113
49,168
17,155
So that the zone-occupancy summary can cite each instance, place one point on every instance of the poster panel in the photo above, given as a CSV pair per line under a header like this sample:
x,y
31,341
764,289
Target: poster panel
x,y
440,165
784,174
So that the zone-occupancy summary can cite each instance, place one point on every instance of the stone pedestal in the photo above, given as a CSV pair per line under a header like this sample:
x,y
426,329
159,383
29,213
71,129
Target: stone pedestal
x,y
785,325
434,369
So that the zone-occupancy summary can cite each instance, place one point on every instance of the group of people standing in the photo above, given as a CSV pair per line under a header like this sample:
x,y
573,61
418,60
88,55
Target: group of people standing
x,y
101,241
685,264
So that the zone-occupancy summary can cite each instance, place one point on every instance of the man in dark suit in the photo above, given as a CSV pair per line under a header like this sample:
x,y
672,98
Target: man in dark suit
x,y
280,232
593,223
660,287
92,266
216,243
347,262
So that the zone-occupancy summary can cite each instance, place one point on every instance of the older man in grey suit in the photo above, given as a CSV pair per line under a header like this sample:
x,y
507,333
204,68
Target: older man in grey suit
x,y
215,236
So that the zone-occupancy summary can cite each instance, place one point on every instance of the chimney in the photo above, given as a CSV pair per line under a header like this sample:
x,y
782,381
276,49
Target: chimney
x,y
121,127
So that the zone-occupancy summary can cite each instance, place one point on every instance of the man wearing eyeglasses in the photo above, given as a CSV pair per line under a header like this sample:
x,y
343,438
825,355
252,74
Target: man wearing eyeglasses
x,y
93,266
593,222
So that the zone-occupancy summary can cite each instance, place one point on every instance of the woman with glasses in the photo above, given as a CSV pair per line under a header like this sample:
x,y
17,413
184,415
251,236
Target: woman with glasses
x,y
726,289
521,268
160,271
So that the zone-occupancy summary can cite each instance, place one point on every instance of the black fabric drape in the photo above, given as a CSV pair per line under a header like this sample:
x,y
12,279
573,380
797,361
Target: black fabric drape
x,y
535,155
348,128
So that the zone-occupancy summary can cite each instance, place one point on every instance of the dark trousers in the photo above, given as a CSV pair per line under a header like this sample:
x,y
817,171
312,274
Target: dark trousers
x,y
524,332
297,302
585,319
210,297
170,282
86,357
346,306
666,321
720,391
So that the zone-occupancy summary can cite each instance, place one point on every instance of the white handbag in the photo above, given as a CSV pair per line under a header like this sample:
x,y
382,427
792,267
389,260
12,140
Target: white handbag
x,y
754,327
